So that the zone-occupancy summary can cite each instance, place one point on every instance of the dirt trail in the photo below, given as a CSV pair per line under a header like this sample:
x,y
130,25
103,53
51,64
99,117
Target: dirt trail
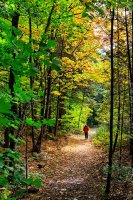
x,y
76,171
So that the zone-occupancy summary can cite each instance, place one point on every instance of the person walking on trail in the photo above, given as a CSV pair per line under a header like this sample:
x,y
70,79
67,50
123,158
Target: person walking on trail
x,y
86,129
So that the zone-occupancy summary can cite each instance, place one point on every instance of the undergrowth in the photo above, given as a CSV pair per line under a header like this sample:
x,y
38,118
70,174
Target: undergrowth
x,y
102,137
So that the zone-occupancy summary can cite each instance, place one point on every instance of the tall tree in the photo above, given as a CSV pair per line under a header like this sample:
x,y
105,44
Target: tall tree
x,y
15,20
111,105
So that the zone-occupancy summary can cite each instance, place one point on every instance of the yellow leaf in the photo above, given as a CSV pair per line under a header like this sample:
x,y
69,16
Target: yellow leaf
x,y
56,93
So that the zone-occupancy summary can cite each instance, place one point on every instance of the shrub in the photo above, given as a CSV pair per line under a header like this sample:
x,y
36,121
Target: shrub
x,y
101,138
12,175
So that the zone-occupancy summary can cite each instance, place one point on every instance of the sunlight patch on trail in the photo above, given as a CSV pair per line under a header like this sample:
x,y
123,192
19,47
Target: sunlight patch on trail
x,y
77,144
76,149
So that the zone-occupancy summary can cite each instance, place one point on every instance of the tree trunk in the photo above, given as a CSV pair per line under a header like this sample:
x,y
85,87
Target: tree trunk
x,y
130,68
57,114
48,94
62,110
31,81
37,147
118,85
122,123
111,107
8,141
45,115
131,131
81,109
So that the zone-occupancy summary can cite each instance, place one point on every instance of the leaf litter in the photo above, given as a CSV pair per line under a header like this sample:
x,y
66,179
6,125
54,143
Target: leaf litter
x,y
73,169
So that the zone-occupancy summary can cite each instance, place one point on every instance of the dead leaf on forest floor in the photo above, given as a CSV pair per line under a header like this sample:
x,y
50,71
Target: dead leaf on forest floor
x,y
74,169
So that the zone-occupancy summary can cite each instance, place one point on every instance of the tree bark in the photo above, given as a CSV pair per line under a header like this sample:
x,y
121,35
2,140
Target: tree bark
x,y
45,115
31,80
111,107
57,116
118,85
130,68
122,124
8,141
81,109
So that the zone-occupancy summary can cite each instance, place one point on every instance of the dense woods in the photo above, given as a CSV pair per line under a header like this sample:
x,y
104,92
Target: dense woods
x,y
63,64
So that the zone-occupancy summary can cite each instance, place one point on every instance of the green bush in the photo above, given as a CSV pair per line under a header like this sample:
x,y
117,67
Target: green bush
x,y
51,136
70,131
12,176
76,131
119,172
101,138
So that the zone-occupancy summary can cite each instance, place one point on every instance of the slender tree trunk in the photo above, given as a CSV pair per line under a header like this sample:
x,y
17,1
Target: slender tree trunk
x,y
132,90
45,115
81,109
31,80
48,94
23,117
118,85
62,110
43,99
37,147
111,107
122,123
130,68
10,142
6,138
57,116
57,112
26,160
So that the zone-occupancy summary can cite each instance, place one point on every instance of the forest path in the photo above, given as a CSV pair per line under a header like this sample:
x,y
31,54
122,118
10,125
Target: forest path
x,y
74,170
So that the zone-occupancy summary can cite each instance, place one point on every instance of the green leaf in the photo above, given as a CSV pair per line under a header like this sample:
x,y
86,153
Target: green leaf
x,y
4,121
99,10
51,44
46,62
1,155
14,155
20,192
13,138
56,65
14,126
3,181
49,122
88,5
21,94
5,107
91,17
35,182
40,93
1,164
30,122
84,14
